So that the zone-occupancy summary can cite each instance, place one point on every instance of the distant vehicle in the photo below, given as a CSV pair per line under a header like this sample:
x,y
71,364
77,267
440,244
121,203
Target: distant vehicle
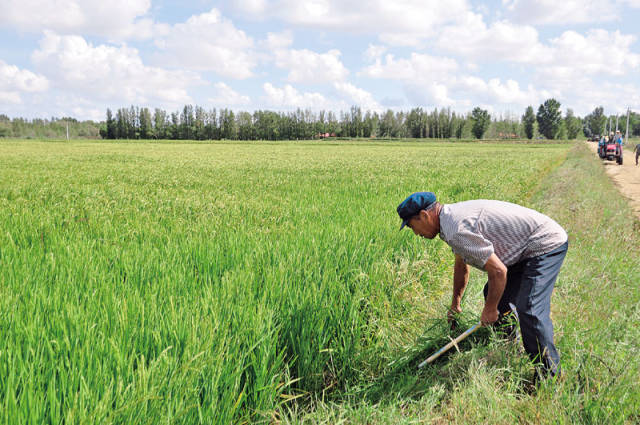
x,y
610,151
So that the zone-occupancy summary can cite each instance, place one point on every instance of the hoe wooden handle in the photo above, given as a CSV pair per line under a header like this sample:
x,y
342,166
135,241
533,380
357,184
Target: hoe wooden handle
x,y
454,342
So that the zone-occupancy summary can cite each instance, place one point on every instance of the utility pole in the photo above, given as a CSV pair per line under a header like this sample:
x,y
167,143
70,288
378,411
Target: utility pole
x,y
626,133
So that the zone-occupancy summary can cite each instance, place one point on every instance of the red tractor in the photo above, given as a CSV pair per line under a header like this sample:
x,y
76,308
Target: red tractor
x,y
610,151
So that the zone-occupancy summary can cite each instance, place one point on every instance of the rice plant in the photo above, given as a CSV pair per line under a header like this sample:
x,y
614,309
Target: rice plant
x,y
222,282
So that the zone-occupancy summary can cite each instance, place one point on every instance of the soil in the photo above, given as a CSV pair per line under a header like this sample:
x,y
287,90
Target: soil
x,y
626,176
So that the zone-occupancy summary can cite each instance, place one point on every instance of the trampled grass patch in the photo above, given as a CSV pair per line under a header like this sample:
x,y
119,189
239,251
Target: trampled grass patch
x,y
229,282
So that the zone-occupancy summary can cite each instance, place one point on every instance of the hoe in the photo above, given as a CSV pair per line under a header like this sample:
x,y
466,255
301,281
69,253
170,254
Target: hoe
x,y
454,342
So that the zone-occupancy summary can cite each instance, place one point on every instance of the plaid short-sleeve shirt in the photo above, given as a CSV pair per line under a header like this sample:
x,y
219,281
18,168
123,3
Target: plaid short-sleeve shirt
x,y
476,229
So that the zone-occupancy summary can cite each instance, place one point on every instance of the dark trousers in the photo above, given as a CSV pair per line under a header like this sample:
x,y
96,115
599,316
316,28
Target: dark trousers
x,y
529,286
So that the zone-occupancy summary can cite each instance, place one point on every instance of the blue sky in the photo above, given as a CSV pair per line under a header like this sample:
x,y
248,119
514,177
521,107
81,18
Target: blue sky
x,y
79,57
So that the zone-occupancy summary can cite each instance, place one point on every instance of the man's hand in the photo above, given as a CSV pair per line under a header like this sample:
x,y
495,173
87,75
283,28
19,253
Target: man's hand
x,y
489,315
452,313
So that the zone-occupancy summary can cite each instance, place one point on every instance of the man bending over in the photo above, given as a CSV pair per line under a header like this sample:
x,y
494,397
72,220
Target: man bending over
x,y
520,249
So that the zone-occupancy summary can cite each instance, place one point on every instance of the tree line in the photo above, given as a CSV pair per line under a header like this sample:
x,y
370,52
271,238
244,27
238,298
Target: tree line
x,y
197,123
54,128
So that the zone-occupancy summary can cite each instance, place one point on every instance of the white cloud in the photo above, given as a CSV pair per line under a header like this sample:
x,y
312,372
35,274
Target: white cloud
x,y
116,19
437,81
419,67
584,94
400,22
14,81
495,91
21,79
358,96
305,66
500,41
7,97
108,73
289,97
226,96
93,114
464,92
599,52
64,104
431,94
374,52
440,94
344,96
553,12
277,41
208,42
253,7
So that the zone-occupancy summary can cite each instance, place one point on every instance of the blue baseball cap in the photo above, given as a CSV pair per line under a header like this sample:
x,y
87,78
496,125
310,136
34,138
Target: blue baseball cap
x,y
415,203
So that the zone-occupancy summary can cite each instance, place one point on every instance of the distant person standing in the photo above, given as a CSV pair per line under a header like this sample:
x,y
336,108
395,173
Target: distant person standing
x,y
618,140
637,151
601,146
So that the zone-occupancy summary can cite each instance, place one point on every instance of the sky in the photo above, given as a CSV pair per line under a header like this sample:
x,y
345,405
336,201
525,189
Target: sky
x,y
79,57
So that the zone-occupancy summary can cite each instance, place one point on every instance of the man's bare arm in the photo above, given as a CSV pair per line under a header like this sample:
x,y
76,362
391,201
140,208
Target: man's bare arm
x,y
460,281
497,273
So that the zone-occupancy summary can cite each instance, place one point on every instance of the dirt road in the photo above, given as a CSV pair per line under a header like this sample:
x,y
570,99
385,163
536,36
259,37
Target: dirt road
x,y
626,176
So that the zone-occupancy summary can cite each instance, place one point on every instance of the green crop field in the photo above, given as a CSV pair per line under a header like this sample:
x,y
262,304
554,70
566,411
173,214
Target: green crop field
x,y
266,282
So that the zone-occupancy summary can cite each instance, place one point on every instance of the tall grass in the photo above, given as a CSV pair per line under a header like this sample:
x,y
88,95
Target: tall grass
x,y
596,312
223,282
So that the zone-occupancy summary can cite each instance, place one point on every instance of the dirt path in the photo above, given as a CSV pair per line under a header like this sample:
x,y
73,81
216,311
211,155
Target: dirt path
x,y
626,176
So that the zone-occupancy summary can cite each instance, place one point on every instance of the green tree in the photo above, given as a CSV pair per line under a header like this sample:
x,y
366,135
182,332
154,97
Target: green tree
x,y
371,124
594,123
549,118
445,123
199,124
459,122
572,124
332,123
355,118
174,129
481,120
528,121
121,123
144,120
245,126
228,124
634,124
414,123
387,124
187,123
110,126
160,123
212,125
133,127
